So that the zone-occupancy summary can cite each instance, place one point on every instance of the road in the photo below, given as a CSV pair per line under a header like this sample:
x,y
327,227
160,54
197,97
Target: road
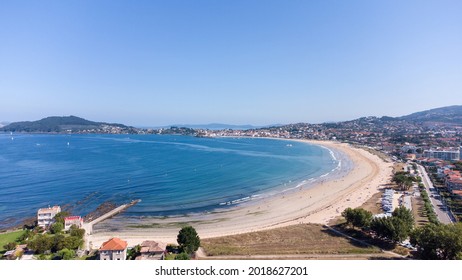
x,y
440,209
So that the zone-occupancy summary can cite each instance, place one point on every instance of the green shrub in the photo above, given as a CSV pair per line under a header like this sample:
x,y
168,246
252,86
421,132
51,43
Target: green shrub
x,y
56,228
182,256
66,254
10,246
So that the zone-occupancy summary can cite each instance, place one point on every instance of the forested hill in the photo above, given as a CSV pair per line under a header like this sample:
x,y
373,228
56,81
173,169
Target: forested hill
x,y
65,124
449,114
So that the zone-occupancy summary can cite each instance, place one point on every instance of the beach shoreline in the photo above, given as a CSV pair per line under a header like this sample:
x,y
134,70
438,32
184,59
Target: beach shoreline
x,y
317,203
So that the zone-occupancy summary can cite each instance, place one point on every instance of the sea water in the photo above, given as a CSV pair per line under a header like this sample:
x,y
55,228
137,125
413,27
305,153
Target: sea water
x,y
171,174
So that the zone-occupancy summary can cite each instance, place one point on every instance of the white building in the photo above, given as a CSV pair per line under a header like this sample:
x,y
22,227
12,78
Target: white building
x,y
453,154
73,220
406,148
45,216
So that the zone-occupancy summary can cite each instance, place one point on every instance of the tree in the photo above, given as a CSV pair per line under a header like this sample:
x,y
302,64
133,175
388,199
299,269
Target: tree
x,y
40,244
405,217
10,246
59,218
403,180
133,252
397,227
188,239
357,217
407,185
66,254
400,231
72,242
452,242
399,178
56,228
383,227
77,232
438,241
58,243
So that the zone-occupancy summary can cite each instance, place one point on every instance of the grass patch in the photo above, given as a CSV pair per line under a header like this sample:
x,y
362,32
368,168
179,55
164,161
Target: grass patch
x,y
397,167
374,204
170,256
401,251
6,238
291,240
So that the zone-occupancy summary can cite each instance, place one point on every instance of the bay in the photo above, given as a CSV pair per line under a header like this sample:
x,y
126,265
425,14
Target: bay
x,y
171,174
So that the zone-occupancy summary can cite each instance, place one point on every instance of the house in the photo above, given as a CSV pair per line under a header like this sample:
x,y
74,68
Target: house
x,y
453,179
113,249
15,253
45,216
151,250
73,220
454,183
457,193
445,170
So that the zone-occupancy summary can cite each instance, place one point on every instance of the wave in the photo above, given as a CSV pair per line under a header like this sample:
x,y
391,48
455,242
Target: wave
x,y
240,200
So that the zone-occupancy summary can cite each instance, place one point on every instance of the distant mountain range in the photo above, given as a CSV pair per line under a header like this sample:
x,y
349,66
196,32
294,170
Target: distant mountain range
x,y
449,115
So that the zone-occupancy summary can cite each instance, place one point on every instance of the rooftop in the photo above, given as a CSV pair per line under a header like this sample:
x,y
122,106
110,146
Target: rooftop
x,y
149,246
55,209
114,244
71,218
457,192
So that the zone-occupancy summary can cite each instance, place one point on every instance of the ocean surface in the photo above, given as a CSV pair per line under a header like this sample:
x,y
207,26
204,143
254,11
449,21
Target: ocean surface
x,y
172,175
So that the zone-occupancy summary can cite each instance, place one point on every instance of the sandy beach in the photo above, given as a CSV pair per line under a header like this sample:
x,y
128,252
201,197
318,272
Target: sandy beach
x,y
314,204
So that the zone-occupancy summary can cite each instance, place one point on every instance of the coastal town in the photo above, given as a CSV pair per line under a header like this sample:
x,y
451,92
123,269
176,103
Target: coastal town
x,y
231,139
426,186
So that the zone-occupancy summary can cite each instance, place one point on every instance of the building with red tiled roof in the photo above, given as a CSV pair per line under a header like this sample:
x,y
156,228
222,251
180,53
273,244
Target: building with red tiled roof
x,y
454,183
113,249
457,193
453,179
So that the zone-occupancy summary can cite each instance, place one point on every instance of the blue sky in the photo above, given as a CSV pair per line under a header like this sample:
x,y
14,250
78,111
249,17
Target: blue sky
x,y
239,62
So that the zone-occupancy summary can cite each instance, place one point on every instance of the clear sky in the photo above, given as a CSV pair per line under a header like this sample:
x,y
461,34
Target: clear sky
x,y
238,62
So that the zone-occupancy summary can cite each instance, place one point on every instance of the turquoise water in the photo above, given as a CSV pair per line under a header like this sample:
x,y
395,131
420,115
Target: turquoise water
x,y
172,175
